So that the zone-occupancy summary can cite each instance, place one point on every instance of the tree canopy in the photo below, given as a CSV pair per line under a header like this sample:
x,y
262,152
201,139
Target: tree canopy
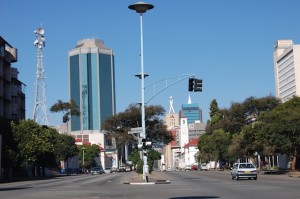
x,y
67,108
281,127
120,124
89,152
230,132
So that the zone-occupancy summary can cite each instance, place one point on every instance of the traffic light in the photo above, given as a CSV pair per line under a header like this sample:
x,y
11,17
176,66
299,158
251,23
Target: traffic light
x,y
198,85
145,145
191,84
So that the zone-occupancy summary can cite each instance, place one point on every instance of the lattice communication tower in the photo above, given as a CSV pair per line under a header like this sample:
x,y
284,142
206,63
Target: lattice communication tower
x,y
40,108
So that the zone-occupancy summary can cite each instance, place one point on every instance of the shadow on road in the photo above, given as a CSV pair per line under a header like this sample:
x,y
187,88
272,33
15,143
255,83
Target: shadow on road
x,y
195,197
13,189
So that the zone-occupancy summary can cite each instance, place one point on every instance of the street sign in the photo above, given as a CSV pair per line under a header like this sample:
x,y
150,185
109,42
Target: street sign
x,y
135,130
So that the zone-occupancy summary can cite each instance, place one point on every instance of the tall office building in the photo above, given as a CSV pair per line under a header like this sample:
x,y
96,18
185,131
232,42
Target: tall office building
x,y
91,84
286,69
191,111
92,87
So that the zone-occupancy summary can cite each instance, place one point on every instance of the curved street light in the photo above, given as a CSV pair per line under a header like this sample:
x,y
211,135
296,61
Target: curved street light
x,y
142,7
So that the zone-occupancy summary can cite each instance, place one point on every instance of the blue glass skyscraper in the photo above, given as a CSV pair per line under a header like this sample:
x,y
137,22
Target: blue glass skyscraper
x,y
91,84
192,112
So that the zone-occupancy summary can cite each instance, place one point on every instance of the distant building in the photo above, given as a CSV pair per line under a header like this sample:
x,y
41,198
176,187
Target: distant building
x,y
190,152
172,122
286,69
182,151
12,95
92,87
191,111
174,158
196,129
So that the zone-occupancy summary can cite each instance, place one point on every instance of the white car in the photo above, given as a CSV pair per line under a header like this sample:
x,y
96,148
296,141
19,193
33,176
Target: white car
x,y
203,167
188,168
122,168
244,170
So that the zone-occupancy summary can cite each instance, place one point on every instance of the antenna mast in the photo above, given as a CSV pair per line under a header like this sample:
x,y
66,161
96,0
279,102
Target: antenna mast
x,y
40,110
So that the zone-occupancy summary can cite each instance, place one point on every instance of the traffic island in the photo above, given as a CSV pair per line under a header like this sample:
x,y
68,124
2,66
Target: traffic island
x,y
154,178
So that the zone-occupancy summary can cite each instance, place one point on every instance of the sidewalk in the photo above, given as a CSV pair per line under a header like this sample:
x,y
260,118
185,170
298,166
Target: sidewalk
x,y
156,177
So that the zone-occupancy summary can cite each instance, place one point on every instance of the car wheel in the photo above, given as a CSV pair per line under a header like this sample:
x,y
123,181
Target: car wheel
x,y
255,178
237,177
232,177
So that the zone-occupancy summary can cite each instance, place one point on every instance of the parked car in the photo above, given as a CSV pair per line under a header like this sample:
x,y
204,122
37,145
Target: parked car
x,y
244,170
203,167
113,169
107,170
128,169
188,168
122,168
194,167
96,170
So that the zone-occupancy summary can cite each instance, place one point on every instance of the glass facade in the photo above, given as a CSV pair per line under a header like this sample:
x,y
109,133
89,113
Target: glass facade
x,y
192,112
92,86
74,88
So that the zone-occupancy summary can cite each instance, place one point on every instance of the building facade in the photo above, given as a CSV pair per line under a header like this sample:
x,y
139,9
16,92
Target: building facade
x,y
12,95
12,90
92,88
91,84
286,69
192,112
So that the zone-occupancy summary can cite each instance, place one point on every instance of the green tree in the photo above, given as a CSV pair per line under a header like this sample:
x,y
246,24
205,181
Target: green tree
x,y
10,152
215,113
205,147
67,108
281,127
90,152
214,146
135,157
152,156
237,123
120,124
34,144
238,115
221,142
64,147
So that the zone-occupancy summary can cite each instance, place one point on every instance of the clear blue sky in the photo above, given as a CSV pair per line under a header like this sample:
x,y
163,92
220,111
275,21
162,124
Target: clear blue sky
x,y
228,44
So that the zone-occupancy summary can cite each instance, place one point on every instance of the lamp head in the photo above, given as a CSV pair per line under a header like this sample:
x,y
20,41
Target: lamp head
x,y
141,7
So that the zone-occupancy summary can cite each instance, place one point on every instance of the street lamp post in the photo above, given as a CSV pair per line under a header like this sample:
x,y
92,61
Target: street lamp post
x,y
83,156
141,8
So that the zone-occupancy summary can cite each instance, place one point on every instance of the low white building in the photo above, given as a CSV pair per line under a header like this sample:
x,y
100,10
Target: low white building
x,y
190,151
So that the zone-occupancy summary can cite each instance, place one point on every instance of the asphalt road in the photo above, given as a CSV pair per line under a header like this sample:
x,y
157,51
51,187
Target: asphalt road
x,y
184,185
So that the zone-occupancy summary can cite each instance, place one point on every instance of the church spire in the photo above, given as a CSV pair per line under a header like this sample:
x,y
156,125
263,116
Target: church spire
x,y
189,100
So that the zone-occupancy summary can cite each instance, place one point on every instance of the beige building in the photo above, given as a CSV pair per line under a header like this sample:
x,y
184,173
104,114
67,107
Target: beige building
x,y
172,121
286,69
